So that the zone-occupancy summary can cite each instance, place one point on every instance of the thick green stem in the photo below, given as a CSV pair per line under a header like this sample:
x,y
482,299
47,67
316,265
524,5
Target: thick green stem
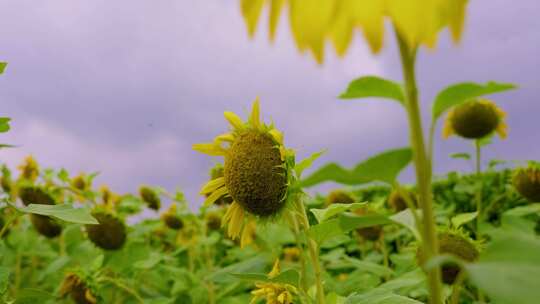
x,y
423,168
313,254
480,182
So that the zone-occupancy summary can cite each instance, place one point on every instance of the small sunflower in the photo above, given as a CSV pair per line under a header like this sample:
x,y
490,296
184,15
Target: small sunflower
x,y
172,219
475,119
339,197
150,197
44,225
107,196
397,202
291,254
110,233
29,169
274,293
213,220
257,171
80,183
79,288
527,182
372,233
458,244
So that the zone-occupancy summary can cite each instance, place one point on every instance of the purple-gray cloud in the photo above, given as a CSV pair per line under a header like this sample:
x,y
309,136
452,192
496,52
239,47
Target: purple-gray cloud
x,y
126,87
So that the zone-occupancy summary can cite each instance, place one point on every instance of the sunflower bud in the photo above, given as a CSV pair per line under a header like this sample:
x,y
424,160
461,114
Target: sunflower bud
x,y
339,197
475,119
457,245
397,202
150,197
76,287
372,233
527,183
255,175
109,234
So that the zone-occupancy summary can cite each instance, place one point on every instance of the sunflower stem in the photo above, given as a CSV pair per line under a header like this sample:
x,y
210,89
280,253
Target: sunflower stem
x,y
422,166
478,149
313,253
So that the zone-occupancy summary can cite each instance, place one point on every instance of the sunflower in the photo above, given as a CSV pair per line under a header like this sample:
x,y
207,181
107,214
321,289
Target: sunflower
x,y
475,119
172,219
274,293
257,172
79,287
150,197
29,169
457,244
339,197
527,182
313,22
110,233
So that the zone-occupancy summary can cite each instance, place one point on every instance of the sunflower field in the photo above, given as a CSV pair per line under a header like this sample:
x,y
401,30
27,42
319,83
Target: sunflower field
x,y
262,235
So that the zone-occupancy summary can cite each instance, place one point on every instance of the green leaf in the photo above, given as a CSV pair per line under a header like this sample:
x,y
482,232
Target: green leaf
x,y
461,92
4,124
323,214
306,163
384,167
32,296
370,267
3,66
524,210
463,218
466,156
508,270
343,224
379,296
62,212
4,279
289,276
373,86
406,219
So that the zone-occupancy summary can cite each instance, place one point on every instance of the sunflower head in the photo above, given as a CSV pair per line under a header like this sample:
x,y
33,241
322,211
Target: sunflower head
x,y
35,195
274,293
110,233
45,225
256,170
475,119
150,197
213,221
76,285
527,182
339,197
107,196
172,219
397,202
29,169
80,182
372,233
458,244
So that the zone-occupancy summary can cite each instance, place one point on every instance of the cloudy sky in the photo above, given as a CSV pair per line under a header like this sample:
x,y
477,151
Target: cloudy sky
x,y
126,87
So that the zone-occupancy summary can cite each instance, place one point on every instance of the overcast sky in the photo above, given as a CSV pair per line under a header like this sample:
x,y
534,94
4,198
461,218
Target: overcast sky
x,y
126,87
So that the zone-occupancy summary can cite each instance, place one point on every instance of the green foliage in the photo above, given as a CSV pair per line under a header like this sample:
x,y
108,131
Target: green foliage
x,y
374,86
461,92
3,66
384,167
62,212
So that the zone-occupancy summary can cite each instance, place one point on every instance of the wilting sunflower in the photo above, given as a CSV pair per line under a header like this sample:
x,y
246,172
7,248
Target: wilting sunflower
x,y
257,171
527,182
150,197
457,244
274,293
313,22
475,119
172,219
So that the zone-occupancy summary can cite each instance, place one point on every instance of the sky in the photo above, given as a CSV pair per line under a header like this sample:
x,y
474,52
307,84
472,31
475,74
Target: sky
x,y
126,87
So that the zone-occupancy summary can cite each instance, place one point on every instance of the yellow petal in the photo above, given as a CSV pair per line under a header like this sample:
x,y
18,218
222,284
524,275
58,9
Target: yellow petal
x,y
275,270
215,196
275,10
210,149
235,121
369,14
251,11
213,185
502,130
456,17
255,119
228,137
277,135
236,220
